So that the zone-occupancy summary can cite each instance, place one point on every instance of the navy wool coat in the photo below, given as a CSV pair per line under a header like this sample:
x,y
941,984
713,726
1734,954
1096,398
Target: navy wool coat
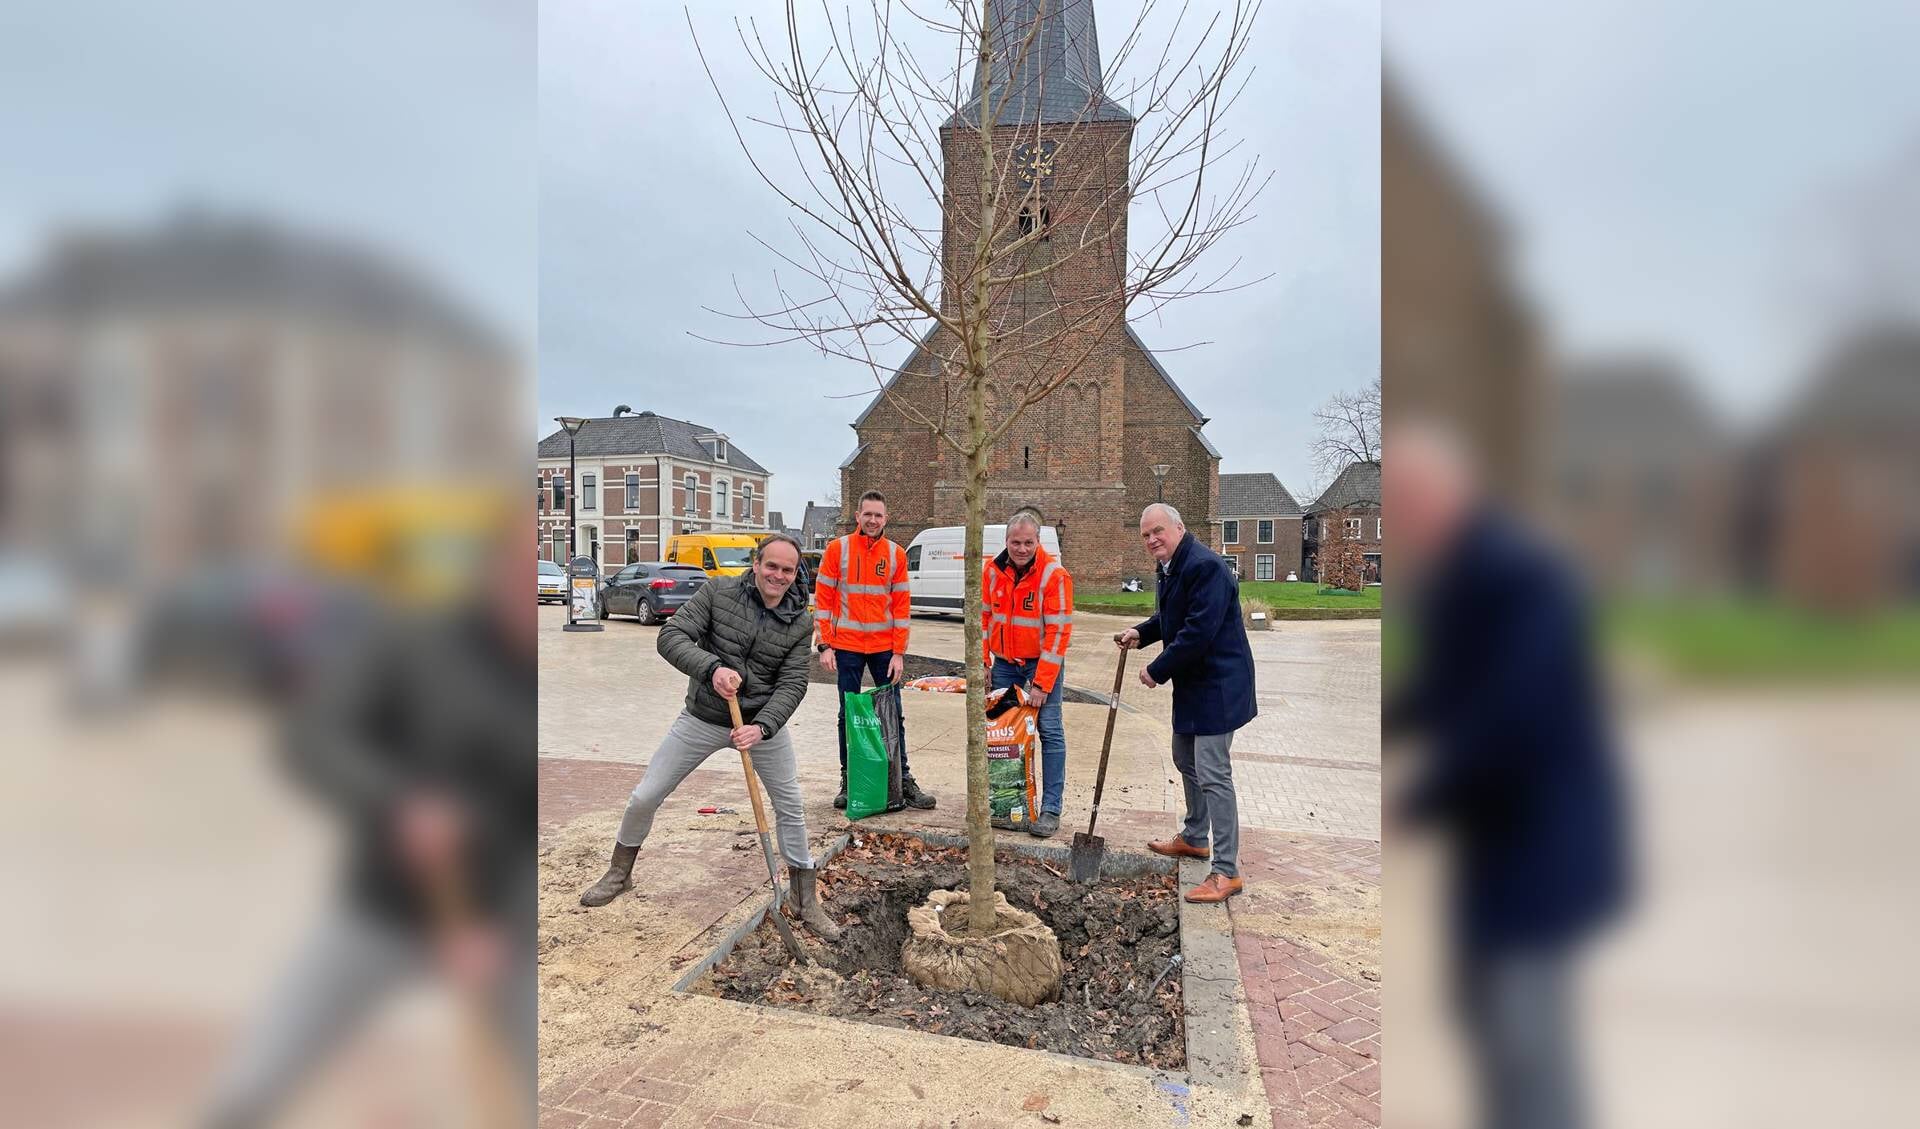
x,y
1206,656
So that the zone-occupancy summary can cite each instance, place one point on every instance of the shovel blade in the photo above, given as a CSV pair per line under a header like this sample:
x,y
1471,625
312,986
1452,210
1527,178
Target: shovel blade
x,y
1083,863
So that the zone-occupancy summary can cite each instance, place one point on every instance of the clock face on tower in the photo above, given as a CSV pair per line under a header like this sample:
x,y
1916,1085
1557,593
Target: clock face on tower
x,y
1033,163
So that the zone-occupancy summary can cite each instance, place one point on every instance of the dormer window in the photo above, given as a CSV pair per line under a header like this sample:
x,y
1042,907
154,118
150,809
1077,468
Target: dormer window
x,y
720,450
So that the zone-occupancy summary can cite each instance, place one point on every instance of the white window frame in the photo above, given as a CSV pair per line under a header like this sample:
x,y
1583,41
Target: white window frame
x,y
589,491
723,499
558,479
1353,526
1263,526
1377,535
1268,561
692,483
559,542
1230,535
720,449
633,491
632,542
746,501
1233,562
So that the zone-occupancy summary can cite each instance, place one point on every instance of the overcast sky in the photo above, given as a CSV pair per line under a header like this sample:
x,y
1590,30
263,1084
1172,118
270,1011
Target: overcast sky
x,y
646,204
404,128
1673,174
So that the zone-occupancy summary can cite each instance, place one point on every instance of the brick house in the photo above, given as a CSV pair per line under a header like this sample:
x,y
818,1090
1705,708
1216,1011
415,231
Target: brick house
x,y
184,392
1842,529
1084,455
1259,526
1643,478
819,525
1348,508
624,515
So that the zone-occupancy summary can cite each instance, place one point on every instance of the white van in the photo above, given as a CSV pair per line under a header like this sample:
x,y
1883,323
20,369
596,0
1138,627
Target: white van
x,y
937,557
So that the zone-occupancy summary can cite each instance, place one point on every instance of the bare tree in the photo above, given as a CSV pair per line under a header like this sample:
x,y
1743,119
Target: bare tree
x,y
1342,563
1349,431
959,183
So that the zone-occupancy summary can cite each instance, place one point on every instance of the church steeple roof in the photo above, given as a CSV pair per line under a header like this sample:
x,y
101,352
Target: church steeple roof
x,y
1054,79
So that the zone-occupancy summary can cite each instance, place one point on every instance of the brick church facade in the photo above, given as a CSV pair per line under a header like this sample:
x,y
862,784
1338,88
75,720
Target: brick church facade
x,y
1084,455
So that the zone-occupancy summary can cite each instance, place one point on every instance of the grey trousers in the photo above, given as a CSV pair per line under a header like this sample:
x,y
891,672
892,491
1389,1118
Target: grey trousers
x,y
1518,1012
346,969
689,743
1213,813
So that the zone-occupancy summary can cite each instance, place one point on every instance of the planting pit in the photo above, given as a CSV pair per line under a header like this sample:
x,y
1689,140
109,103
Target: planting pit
x,y
1117,936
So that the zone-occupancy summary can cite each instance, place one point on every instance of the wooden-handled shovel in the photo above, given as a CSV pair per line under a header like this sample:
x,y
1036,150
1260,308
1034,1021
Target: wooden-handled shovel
x,y
1089,850
766,845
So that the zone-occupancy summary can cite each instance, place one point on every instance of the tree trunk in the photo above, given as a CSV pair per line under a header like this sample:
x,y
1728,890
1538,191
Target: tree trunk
x,y
980,910
976,301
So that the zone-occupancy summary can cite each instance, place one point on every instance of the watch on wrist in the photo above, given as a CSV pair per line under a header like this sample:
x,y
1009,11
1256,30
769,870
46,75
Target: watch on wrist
x,y
821,648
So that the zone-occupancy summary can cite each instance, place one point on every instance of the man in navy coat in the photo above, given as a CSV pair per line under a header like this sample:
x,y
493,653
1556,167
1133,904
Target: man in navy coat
x,y
1520,774
1206,657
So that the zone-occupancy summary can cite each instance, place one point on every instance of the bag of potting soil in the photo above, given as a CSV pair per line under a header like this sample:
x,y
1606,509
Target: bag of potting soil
x,y
873,751
1013,739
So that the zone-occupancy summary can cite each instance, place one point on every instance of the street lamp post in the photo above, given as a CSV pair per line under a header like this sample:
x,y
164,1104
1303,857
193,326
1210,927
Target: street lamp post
x,y
573,424
1160,481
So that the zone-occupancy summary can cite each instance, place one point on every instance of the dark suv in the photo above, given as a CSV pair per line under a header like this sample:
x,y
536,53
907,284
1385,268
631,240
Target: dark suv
x,y
651,590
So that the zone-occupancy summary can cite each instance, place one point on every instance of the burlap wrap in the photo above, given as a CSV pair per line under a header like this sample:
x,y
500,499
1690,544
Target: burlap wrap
x,y
1019,963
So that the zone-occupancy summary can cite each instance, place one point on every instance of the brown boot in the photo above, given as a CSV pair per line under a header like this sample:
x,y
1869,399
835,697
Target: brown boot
x,y
1216,888
617,878
1178,848
807,901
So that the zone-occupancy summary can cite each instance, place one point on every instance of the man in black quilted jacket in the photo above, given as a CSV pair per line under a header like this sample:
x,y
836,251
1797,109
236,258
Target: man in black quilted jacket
x,y
746,638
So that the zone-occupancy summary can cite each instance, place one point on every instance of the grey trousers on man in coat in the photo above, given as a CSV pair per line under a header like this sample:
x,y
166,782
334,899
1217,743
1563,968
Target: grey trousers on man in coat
x,y
689,743
1213,811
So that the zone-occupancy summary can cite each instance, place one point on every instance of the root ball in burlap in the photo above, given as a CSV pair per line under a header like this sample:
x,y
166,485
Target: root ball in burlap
x,y
1019,961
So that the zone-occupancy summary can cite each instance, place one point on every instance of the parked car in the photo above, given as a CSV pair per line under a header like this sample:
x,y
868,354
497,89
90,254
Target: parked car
x,y
650,590
552,582
719,554
937,558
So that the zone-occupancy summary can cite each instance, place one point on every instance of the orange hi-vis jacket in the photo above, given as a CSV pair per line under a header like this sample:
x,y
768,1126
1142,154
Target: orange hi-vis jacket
x,y
861,602
1029,616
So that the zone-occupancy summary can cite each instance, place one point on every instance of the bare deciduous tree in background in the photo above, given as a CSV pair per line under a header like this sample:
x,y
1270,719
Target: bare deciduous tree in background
x,y
1349,432
1064,211
1342,563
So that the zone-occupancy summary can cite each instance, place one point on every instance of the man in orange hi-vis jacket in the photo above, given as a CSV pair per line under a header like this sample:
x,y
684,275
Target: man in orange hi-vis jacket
x,y
862,608
1026,617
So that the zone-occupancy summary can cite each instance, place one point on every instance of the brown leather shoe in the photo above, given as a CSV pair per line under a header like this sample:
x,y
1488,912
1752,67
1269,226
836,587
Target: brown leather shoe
x,y
1216,888
1178,848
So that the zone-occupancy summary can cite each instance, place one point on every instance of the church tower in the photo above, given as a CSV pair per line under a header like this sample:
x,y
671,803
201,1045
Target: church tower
x,y
1061,150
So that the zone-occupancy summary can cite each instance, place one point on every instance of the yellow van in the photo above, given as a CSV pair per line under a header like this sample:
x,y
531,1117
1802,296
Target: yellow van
x,y
720,554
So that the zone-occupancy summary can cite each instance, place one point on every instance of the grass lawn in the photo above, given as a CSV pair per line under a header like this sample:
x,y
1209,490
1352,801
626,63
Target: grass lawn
x,y
1276,593
1743,640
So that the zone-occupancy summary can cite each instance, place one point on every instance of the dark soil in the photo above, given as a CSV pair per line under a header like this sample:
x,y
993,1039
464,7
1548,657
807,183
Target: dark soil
x,y
921,666
1116,936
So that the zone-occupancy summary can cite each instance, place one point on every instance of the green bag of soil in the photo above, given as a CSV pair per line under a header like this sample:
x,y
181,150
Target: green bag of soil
x,y
873,751
1013,735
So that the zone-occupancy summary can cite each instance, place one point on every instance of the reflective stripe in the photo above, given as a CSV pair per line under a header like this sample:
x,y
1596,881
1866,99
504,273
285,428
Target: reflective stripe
x,y
863,628
1067,618
903,586
866,589
1046,574
823,615
1025,621
1056,660
841,568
